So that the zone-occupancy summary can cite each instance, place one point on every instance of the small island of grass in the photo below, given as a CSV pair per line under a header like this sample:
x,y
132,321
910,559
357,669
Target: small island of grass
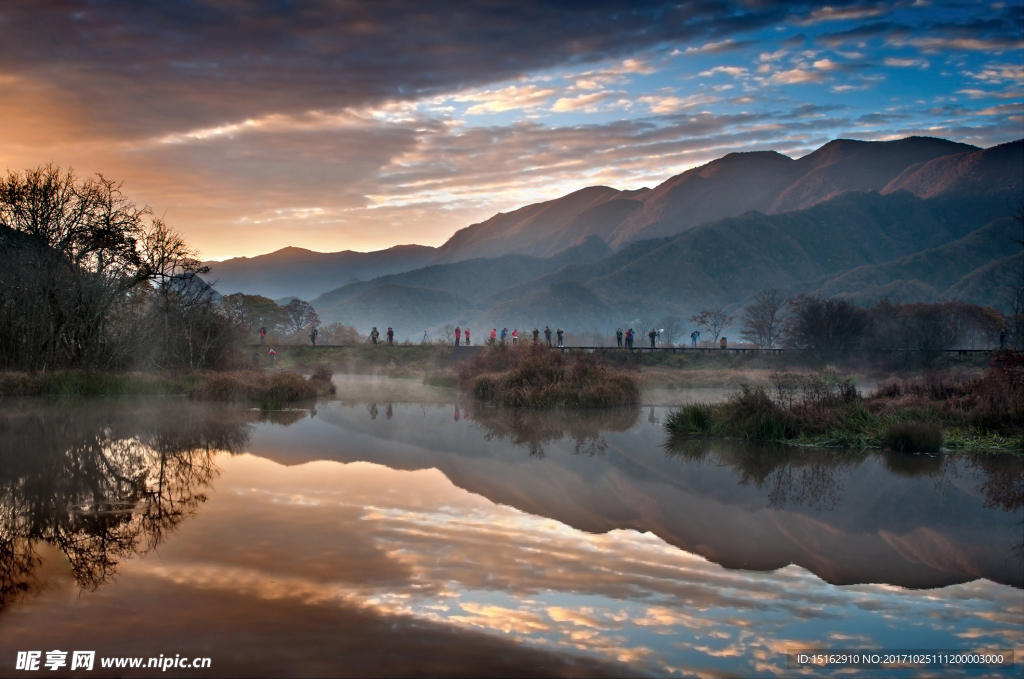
x,y
825,409
534,376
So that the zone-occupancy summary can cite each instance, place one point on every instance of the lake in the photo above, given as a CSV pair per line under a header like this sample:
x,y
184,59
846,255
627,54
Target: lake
x,y
397,530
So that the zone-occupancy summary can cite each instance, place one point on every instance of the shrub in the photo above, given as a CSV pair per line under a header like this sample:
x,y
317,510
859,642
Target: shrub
x,y
914,437
692,419
270,391
752,415
534,376
322,379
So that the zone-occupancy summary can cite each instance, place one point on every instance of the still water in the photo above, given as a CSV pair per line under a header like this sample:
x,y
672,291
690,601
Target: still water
x,y
396,531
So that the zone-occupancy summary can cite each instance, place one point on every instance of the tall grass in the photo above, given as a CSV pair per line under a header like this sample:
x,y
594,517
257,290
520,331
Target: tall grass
x,y
534,376
917,416
269,390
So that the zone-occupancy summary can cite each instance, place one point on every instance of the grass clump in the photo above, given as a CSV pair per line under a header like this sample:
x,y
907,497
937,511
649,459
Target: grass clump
x,y
270,390
534,376
824,409
323,379
914,437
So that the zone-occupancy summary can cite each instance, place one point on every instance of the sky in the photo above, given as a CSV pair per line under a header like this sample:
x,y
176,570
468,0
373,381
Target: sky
x,y
251,126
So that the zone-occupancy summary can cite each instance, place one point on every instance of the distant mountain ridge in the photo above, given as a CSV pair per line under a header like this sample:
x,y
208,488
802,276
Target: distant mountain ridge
x,y
765,181
305,274
918,218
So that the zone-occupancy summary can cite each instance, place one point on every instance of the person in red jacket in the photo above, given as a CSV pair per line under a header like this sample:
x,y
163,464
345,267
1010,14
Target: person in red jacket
x,y
458,335
467,337
494,335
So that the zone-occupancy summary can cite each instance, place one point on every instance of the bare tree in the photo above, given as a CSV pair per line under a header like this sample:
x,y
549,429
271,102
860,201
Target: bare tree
x,y
644,324
671,329
827,327
762,322
448,330
715,321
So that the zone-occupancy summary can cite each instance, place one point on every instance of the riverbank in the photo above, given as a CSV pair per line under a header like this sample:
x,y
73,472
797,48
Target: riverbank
x,y
267,388
436,364
925,414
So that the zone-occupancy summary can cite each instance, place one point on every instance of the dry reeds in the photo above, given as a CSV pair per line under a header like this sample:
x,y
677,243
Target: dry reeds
x,y
534,376
271,391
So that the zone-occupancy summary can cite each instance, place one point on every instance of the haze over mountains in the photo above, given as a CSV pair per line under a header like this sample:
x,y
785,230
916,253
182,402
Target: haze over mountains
x,y
920,218
305,274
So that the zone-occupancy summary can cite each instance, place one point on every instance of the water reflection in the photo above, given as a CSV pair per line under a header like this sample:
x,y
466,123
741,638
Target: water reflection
x,y
100,484
534,429
445,538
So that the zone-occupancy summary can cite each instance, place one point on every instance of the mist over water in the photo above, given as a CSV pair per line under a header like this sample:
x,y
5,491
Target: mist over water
x,y
401,529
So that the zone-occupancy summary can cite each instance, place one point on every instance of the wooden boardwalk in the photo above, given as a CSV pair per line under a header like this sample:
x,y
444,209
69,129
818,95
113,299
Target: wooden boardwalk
x,y
642,350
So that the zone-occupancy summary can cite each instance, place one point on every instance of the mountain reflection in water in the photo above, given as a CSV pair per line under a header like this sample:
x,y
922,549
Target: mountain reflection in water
x,y
459,539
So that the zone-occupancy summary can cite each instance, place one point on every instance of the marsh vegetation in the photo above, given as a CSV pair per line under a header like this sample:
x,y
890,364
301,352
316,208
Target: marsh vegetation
x,y
912,415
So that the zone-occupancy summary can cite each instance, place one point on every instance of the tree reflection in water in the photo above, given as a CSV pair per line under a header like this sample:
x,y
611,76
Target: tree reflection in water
x,y
814,477
793,476
102,483
534,429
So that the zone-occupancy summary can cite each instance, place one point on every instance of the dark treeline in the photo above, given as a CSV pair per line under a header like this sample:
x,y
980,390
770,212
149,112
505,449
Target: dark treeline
x,y
90,280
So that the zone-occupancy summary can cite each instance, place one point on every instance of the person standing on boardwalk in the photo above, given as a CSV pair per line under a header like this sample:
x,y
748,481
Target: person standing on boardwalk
x,y
515,336
547,334
693,339
312,336
653,334
618,337
374,335
263,334
467,337
559,333
536,335
1002,339
458,335
504,334
391,336
630,337
494,336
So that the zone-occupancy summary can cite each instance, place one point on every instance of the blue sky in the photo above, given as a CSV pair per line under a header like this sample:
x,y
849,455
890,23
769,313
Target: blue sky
x,y
256,126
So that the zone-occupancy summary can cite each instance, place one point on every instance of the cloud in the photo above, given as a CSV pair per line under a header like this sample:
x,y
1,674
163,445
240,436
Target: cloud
x,y
734,71
715,47
826,65
999,73
360,125
796,76
506,99
660,105
938,44
581,102
906,63
830,13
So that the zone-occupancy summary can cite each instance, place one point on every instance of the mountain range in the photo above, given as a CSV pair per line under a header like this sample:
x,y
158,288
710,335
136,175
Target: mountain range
x,y
918,218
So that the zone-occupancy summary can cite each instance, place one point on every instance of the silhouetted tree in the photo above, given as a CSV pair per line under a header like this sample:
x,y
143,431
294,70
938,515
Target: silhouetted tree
x,y
827,327
671,329
715,321
300,315
762,323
